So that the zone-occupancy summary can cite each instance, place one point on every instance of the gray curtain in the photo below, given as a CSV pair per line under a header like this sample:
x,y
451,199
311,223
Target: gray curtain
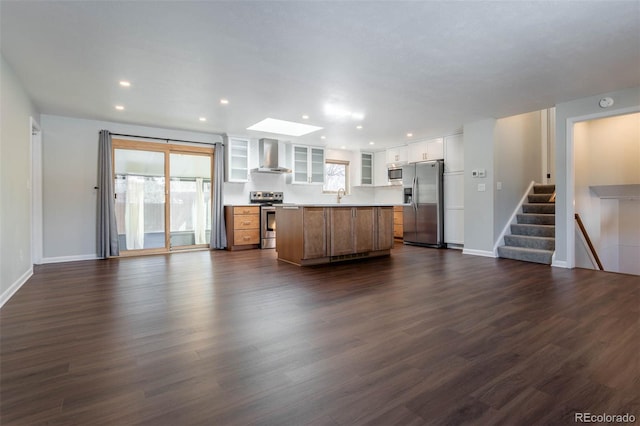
x,y
107,233
218,229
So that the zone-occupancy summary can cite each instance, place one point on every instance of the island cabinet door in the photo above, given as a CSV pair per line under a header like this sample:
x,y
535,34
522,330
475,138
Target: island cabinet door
x,y
364,219
314,233
385,228
341,241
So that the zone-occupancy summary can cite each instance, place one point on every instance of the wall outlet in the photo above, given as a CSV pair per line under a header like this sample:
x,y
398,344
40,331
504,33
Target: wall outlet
x,y
474,173
482,173
499,186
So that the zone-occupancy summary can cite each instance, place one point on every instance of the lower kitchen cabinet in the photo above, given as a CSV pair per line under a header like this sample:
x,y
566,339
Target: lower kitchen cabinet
x,y
312,235
398,214
243,227
352,230
385,228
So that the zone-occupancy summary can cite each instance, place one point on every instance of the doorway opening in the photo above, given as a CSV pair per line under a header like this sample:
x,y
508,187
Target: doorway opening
x,y
606,156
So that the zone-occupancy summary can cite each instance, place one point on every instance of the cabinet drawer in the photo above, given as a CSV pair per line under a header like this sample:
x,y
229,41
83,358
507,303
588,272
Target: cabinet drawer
x,y
246,210
397,231
244,221
246,236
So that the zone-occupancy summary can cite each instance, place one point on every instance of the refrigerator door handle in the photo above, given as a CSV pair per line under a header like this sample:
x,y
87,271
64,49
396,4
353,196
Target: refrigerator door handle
x,y
414,194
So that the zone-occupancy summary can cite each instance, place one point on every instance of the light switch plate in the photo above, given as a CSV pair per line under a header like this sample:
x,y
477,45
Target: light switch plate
x,y
481,187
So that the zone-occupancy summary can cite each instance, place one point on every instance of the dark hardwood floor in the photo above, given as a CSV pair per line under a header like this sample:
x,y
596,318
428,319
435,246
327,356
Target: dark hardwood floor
x,y
425,336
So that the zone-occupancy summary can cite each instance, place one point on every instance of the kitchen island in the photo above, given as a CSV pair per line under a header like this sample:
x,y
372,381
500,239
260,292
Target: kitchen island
x,y
311,234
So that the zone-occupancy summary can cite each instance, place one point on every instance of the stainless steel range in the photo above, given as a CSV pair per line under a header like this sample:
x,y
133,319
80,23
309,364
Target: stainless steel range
x,y
267,199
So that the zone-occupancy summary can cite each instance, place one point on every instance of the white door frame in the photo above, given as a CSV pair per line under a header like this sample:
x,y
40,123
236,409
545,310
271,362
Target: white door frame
x,y
570,175
36,192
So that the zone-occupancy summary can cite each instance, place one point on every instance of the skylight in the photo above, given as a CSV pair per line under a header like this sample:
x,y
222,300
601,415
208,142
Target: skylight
x,y
283,127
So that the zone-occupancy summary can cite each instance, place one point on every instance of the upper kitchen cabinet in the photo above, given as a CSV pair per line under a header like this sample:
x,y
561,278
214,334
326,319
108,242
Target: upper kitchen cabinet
x,y
366,169
308,164
237,159
454,153
397,156
426,150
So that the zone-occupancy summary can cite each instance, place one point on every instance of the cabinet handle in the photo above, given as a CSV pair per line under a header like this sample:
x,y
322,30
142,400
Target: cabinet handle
x,y
246,223
246,237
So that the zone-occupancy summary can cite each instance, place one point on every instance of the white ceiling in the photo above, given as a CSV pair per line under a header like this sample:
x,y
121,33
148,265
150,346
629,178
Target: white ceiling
x,y
420,67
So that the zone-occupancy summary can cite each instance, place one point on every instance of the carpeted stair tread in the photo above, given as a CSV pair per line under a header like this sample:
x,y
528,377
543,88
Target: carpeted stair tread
x,y
533,230
544,189
526,254
527,241
539,198
536,219
541,208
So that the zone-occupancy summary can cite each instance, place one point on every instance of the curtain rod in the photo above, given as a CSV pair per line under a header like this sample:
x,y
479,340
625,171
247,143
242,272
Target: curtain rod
x,y
161,139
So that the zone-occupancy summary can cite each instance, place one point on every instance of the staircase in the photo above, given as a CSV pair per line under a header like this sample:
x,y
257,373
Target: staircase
x,y
532,238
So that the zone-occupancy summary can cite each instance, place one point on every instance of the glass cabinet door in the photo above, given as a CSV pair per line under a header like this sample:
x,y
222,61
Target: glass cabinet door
x,y
366,168
317,165
300,164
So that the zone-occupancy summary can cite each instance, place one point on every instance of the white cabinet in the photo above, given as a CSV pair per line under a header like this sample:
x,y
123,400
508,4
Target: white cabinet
x,y
237,160
454,153
308,164
380,177
366,169
454,189
397,156
425,150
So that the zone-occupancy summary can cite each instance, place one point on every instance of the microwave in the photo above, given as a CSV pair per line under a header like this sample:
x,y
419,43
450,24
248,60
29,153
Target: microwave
x,y
395,174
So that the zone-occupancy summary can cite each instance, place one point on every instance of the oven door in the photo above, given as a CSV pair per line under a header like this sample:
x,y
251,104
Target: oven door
x,y
267,227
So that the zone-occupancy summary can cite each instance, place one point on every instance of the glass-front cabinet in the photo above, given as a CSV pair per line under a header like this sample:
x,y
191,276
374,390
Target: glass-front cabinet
x,y
366,168
237,160
308,164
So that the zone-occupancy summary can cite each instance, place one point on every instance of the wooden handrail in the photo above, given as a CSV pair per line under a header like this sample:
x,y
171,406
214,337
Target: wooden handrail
x,y
586,237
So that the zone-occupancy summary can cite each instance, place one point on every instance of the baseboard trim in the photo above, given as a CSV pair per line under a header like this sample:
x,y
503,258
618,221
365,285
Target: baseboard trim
x,y
483,253
61,259
560,264
4,298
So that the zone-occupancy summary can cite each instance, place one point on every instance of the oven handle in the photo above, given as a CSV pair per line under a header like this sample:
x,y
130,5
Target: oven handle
x,y
290,207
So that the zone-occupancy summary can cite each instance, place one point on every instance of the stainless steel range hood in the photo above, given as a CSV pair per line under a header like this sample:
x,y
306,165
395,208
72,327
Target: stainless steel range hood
x,y
272,157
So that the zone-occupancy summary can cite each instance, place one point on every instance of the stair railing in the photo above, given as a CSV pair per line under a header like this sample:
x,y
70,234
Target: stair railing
x,y
585,234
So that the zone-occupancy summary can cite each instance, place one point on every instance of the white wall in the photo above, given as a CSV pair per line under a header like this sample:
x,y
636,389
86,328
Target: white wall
x,y
625,101
70,169
238,193
607,152
15,182
478,205
517,162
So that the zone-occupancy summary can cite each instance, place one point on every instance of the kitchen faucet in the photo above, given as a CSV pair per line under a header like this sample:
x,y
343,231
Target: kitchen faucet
x,y
341,193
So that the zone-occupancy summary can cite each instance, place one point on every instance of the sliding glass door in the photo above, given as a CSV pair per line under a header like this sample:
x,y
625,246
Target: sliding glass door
x,y
163,196
190,189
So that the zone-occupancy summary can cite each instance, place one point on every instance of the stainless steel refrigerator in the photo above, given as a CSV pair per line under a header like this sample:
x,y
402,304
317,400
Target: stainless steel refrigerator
x,y
423,209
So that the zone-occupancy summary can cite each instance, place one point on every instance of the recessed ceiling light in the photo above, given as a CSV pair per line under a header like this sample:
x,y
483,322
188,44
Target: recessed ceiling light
x,y
119,107
203,119
305,117
124,83
283,127
224,101
323,137
343,147
409,135
372,143
358,127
